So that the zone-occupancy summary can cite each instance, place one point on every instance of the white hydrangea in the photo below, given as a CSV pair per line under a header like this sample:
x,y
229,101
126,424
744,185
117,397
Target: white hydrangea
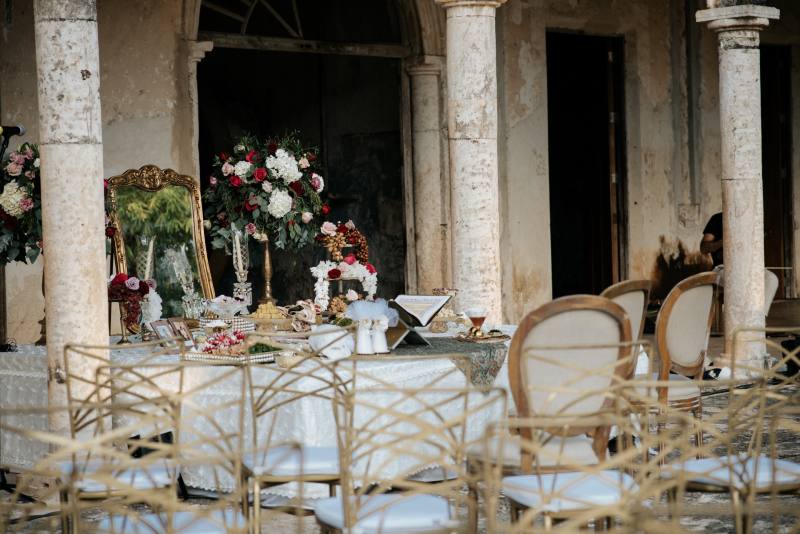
x,y
279,203
11,197
285,166
242,169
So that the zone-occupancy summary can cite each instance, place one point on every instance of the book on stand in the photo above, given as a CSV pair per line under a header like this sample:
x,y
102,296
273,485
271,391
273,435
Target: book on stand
x,y
414,311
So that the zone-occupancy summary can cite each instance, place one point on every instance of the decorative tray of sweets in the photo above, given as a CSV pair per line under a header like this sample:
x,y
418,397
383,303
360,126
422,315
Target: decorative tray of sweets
x,y
264,357
475,335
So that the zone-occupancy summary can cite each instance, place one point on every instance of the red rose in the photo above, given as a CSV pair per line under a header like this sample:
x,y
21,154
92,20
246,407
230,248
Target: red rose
x,y
252,156
250,204
110,231
371,268
311,157
272,148
297,187
105,183
350,259
144,289
342,229
333,274
326,209
121,278
260,174
223,156
235,181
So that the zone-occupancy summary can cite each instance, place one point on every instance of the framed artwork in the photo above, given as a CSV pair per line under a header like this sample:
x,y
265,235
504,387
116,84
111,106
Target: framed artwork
x,y
164,330
182,330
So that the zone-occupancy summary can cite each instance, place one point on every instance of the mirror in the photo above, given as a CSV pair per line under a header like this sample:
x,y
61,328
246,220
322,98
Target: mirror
x,y
159,222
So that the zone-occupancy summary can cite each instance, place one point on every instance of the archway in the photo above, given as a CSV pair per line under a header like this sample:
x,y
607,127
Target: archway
x,y
332,70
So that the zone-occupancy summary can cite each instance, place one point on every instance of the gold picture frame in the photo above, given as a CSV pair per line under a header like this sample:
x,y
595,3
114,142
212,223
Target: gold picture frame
x,y
152,178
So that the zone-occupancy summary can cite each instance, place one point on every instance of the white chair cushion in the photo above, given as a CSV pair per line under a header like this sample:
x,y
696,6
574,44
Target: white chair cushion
x,y
148,477
575,450
558,492
182,522
284,461
680,388
738,471
389,514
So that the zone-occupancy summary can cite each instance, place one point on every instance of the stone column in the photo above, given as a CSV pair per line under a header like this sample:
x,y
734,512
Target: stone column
x,y
197,50
472,128
738,28
431,190
68,70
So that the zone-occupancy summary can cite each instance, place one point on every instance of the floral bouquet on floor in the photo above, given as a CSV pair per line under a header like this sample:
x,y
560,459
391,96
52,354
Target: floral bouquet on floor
x,y
271,189
129,292
20,206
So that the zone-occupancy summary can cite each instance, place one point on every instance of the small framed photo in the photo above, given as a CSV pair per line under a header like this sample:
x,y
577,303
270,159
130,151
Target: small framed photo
x,y
164,330
182,330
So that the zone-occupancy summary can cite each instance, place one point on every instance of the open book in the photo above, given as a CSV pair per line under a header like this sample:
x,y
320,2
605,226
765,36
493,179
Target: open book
x,y
418,310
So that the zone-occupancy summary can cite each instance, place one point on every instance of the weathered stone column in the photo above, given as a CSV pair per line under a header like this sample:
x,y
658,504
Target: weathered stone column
x,y
68,70
738,28
431,194
472,127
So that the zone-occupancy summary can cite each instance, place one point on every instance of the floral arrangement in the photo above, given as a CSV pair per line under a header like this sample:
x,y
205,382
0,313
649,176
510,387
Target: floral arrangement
x,y
271,189
21,206
348,269
225,343
335,237
129,292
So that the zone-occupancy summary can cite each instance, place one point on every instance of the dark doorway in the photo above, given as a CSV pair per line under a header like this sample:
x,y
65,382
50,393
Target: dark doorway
x,y
348,106
777,160
585,128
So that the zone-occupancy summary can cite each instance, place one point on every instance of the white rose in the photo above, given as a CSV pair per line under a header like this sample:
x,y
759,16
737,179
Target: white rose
x,y
266,186
280,203
242,169
303,163
227,169
36,163
307,216
352,296
207,224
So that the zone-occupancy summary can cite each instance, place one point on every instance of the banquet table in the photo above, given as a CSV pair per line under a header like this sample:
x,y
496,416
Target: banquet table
x,y
23,382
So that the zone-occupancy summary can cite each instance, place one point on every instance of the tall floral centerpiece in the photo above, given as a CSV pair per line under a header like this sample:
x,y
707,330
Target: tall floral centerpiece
x,y
20,206
272,190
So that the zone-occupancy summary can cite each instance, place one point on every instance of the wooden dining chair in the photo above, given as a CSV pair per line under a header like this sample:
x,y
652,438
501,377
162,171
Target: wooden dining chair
x,y
633,296
682,330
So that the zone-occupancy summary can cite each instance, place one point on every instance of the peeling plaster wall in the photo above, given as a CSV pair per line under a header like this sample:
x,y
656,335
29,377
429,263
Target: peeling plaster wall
x,y
656,157
672,131
144,98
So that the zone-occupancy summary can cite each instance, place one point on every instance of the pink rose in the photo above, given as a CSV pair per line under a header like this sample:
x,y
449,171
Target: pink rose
x,y
350,259
307,216
14,169
250,228
303,163
317,182
28,153
212,181
227,169
328,228
17,158
132,283
30,175
26,204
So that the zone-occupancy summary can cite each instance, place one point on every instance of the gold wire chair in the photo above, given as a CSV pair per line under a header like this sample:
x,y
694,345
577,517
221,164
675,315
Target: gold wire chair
x,y
388,435
272,462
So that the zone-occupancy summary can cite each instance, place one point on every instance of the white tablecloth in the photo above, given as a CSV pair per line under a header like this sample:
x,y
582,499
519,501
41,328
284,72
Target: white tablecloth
x,y
23,382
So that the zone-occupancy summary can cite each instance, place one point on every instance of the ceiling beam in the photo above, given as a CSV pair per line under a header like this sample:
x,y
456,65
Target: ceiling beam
x,y
281,44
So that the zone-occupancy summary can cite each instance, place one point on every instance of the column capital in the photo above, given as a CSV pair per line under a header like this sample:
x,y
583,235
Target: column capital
x,y
198,49
447,4
740,17
424,69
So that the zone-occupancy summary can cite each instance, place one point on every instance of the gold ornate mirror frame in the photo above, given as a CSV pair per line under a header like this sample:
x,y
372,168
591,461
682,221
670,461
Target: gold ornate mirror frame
x,y
151,178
